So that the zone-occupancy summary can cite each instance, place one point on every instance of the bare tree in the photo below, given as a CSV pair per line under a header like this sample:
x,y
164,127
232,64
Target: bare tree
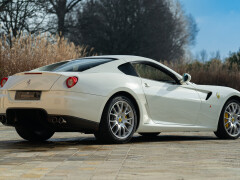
x,y
157,29
19,16
203,55
218,55
60,8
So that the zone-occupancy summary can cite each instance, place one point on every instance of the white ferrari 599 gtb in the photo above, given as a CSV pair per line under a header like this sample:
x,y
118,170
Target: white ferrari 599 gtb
x,y
113,97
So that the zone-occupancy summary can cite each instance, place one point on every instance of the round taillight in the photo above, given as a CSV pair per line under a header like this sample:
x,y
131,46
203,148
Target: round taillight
x,y
71,81
3,81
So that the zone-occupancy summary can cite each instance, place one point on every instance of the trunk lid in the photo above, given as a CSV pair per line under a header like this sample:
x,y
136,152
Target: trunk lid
x,y
42,81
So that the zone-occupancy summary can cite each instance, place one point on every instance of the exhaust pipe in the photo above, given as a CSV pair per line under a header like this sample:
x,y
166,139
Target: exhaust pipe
x,y
58,120
62,121
54,120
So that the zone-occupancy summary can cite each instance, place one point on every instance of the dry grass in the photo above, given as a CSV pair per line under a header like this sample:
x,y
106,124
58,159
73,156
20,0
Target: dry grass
x,y
211,73
29,52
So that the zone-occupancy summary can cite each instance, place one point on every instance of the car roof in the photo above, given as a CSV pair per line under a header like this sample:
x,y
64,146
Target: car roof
x,y
127,58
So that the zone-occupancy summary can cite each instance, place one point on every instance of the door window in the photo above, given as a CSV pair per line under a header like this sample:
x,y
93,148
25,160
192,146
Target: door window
x,y
148,71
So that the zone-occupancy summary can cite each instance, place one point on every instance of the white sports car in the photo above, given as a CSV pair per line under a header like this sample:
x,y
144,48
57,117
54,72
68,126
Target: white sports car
x,y
113,97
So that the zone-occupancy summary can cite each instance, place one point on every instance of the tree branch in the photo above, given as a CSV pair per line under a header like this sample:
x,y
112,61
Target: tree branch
x,y
4,4
72,4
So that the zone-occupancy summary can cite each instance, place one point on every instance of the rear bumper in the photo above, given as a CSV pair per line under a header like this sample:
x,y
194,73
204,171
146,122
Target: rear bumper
x,y
58,123
81,111
85,106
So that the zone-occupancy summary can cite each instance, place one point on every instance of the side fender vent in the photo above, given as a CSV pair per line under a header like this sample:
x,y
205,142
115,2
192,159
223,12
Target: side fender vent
x,y
208,95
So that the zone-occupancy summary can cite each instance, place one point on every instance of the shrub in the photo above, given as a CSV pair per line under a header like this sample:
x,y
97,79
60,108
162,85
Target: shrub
x,y
213,72
234,59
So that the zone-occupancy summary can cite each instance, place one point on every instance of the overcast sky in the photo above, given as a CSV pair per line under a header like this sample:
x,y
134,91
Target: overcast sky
x,y
218,22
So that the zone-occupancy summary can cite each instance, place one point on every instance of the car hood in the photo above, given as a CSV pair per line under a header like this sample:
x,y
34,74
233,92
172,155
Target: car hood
x,y
214,88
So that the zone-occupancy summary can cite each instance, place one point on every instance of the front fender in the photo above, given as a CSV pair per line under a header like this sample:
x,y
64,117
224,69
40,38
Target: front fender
x,y
211,108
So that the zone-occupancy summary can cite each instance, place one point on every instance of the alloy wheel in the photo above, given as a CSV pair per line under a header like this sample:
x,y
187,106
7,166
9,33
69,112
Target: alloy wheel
x,y
121,119
232,119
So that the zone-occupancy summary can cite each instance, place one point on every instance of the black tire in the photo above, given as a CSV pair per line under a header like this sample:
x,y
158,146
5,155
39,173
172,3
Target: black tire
x,y
34,134
149,134
222,132
105,134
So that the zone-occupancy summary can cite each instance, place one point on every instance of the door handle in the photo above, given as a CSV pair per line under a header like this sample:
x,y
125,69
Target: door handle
x,y
146,85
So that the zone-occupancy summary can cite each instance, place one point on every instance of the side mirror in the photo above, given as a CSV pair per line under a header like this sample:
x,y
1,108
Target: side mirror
x,y
186,78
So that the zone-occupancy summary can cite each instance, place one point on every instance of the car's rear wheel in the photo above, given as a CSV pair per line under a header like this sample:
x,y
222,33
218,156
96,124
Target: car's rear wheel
x,y
118,122
150,134
34,134
229,122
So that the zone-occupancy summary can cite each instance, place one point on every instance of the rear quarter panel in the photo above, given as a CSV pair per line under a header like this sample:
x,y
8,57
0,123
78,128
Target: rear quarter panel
x,y
104,85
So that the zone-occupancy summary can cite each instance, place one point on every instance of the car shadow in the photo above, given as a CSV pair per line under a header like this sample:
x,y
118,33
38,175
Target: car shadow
x,y
58,143
171,138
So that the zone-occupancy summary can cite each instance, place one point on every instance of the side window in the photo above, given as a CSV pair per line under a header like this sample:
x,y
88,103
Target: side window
x,y
149,72
128,69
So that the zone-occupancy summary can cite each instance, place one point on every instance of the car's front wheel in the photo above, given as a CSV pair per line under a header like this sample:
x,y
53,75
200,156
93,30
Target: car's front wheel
x,y
118,122
34,134
229,122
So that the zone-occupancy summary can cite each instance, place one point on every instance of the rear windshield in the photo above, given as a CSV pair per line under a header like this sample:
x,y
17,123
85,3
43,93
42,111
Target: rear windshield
x,y
50,67
75,65
81,65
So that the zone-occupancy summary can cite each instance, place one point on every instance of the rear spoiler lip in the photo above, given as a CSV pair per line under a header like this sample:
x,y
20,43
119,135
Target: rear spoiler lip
x,y
36,73
46,73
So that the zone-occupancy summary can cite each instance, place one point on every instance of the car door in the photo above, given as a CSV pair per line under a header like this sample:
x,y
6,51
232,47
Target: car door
x,y
169,102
